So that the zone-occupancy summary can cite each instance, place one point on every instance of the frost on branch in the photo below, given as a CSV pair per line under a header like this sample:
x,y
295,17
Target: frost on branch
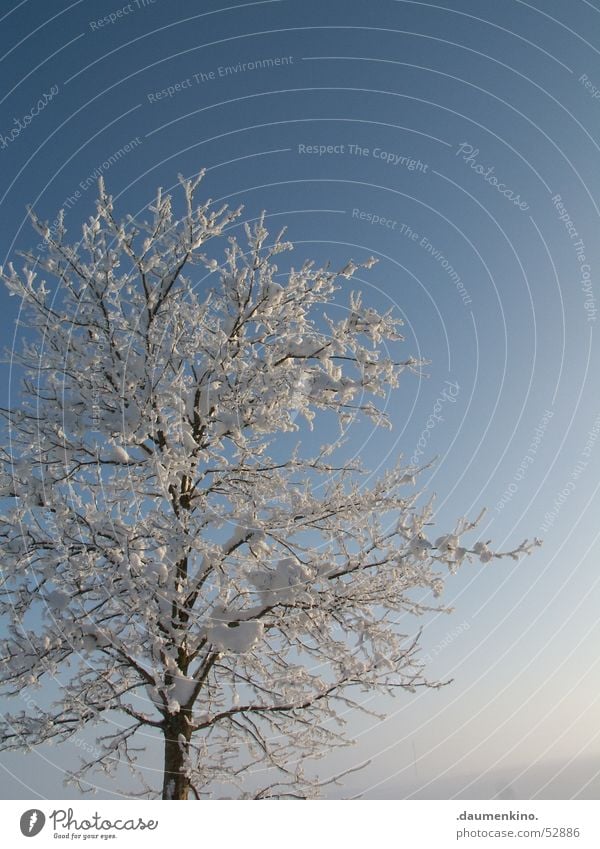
x,y
175,548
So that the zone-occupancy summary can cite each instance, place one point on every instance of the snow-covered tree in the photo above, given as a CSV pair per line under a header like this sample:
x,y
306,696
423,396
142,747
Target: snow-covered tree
x,y
182,556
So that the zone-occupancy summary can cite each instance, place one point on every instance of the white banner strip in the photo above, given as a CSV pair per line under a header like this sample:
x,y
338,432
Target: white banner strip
x,y
280,825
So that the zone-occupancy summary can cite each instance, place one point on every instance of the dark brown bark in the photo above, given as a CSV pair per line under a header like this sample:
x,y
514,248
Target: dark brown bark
x,y
175,783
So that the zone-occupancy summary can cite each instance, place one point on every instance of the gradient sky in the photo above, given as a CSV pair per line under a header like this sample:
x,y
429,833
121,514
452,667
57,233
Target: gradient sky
x,y
516,82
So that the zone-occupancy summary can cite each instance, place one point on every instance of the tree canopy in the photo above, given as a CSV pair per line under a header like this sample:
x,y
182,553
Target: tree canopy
x,y
177,546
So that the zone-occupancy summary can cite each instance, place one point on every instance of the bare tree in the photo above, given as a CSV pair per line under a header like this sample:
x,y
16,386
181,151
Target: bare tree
x,y
177,546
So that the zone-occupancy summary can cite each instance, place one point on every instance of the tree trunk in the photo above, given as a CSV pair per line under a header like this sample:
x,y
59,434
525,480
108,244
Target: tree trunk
x,y
176,785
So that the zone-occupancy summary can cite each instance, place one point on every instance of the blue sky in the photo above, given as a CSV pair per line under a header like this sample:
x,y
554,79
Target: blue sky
x,y
478,94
